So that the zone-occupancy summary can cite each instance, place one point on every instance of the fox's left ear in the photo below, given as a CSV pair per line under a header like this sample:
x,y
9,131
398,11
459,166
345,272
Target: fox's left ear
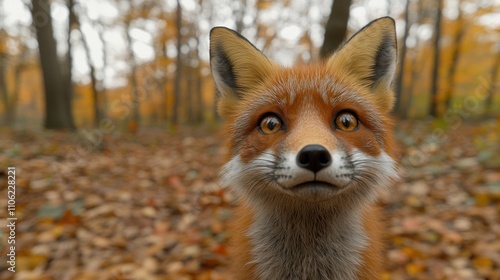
x,y
370,58
237,66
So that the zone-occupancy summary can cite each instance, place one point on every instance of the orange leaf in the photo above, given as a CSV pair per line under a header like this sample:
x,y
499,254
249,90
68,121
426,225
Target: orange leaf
x,y
482,262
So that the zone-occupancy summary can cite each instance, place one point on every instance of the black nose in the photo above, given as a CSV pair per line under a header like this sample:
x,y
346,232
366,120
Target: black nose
x,y
314,157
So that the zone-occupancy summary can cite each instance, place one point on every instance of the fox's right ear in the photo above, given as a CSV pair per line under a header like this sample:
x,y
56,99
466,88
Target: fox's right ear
x,y
236,64
369,57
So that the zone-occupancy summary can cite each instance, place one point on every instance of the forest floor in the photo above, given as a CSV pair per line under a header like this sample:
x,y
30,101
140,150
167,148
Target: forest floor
x,y
148,206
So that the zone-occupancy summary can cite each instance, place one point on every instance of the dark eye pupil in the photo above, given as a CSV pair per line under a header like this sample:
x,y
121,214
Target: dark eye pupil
x,y
271,124
346,122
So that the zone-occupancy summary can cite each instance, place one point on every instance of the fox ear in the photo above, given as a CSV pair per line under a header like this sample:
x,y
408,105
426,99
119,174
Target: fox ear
x,y
236,64
370,57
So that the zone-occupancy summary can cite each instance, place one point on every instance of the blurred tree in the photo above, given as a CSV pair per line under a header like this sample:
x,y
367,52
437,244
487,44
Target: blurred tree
x,y
197,83
67,65
163,62
493,87
336,27
416,68
104,98
134,121
178,66
190,78
239,14
435,68
58,113
93,78
191,67
4,91
402,58
200,114
10,95
457,42
16,92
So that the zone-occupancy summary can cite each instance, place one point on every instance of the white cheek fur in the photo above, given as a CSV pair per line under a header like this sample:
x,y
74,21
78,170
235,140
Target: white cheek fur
x,y
268,170
379,170
243,178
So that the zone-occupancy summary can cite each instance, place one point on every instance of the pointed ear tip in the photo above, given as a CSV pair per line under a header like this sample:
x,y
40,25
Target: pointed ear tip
x,y
385,20
390,23
217,30
388,19
387,23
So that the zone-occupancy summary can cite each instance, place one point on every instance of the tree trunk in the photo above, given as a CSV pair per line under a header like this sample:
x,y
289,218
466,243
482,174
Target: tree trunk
x,y
93,79
336,27
457,42
402,59
407,98
493,83
178,67
67,72
199,97
197,88
103,93
57,107
239,15
4,92
134,123
435,69
414,78
16,92
10,100
162,84
189,95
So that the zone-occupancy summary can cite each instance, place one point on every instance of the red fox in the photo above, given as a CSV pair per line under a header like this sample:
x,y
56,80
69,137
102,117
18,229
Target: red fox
x,y
309,148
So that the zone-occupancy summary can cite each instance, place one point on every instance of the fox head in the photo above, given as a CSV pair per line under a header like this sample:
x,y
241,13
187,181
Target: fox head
x,y
318,133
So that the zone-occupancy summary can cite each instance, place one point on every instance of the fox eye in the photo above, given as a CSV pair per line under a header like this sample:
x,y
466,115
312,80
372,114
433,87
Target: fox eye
x,y
270,124
346,121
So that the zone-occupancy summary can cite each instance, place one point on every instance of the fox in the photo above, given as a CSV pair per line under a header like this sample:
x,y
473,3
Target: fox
x,y
309,149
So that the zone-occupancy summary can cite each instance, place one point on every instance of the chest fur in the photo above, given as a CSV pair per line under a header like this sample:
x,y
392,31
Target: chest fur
x,y
307,245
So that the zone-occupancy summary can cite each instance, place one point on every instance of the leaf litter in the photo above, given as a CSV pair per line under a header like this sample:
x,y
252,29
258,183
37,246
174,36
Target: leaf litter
x,y
149,206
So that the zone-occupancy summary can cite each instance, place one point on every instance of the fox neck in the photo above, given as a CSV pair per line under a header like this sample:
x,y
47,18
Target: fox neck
x,y
310,242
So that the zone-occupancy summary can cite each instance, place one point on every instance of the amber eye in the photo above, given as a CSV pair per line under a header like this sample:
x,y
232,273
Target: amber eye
x,y
346,121
270,124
